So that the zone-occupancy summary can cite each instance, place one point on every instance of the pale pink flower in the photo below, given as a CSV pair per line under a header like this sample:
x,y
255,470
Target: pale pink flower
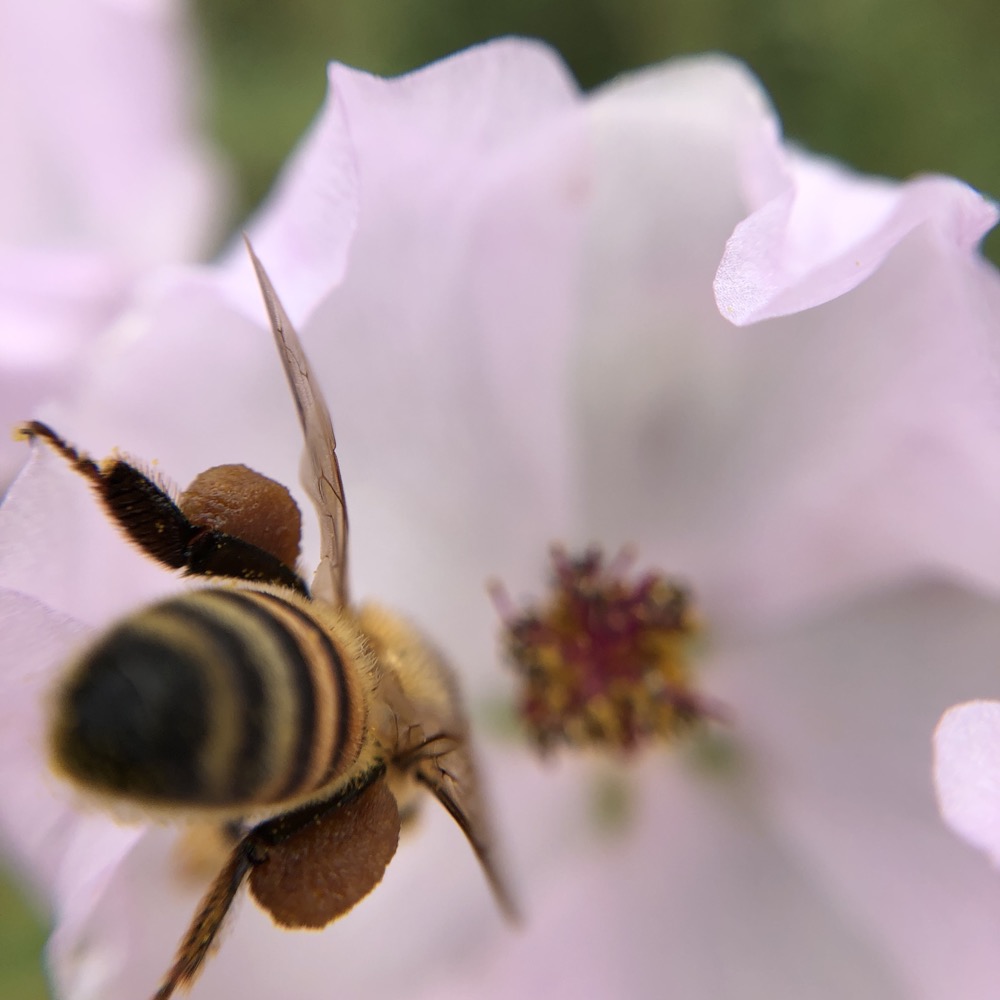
x,y
507,291
102,177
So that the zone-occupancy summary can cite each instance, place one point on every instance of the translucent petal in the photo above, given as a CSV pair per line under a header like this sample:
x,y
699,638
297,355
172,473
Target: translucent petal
x,y
428,131
830,229
37,818
811,456
836,716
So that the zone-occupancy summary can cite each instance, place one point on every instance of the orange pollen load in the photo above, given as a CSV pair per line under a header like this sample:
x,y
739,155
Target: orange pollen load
x,y
246,504
604,662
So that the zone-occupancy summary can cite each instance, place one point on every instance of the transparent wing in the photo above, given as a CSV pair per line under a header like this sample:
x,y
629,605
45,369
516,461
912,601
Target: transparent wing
x,y
321,471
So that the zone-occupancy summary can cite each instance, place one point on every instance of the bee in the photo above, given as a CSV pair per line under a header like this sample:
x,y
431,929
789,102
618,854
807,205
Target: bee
x,y
299,723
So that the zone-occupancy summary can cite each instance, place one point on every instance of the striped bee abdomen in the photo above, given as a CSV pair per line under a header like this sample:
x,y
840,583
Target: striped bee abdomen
x,y
229,697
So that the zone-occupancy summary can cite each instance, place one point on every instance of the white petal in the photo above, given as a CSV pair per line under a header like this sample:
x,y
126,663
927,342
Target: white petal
x,y
37,818
829,230
98,153
784,466
835,716
400,149
51,306
698,897
98,139
58,546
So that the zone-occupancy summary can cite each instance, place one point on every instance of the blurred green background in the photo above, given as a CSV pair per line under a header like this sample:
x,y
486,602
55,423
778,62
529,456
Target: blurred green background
x,y
894,87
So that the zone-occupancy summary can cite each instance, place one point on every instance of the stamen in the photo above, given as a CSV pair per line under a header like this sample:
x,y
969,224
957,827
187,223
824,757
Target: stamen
x,y
605,660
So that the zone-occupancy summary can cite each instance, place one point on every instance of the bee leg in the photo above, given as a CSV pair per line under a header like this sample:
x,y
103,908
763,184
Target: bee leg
x,y
335,855
139,506
430,748
151,519
443,764
305,868
209,919
214,553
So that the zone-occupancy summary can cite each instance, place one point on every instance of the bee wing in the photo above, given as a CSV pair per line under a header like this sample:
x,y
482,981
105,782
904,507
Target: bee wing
x,y
321,471
450,774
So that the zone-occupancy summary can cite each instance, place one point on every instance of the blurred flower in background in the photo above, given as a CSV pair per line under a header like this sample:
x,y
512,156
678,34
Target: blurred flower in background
x,y
521,303
104,177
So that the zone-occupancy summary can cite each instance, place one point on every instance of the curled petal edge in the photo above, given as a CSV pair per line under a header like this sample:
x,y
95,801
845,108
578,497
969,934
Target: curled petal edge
x,y
829,230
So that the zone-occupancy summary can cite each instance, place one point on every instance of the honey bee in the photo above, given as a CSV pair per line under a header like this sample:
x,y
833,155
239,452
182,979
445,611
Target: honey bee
x,y
296,721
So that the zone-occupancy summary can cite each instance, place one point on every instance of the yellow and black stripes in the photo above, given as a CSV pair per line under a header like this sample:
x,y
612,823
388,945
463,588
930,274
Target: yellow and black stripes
x,y
340,713
232,698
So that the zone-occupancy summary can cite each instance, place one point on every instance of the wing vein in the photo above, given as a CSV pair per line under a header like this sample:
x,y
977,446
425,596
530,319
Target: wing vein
x,y
321,470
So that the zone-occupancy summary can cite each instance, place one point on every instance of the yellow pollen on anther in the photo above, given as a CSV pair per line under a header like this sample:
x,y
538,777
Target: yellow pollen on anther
x,y
605,660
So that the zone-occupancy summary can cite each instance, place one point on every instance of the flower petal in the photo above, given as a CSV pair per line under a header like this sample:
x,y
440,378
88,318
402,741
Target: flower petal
x,y
98,152
51,305
396,149
829,230
697,897
780,468
38,817
99,149
58,547
834,715
811,864
967,773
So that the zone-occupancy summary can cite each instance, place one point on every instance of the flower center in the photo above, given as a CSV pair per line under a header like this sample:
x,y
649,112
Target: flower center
x,y
604,660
